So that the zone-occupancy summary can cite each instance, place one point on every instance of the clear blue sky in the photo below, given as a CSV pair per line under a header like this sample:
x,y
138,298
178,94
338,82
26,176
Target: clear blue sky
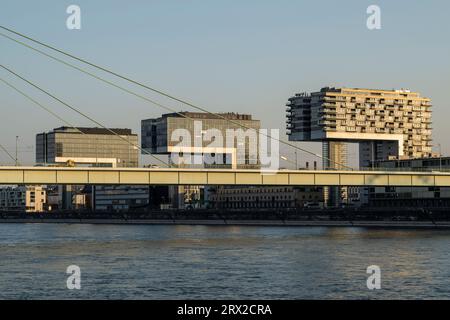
x,y
245,56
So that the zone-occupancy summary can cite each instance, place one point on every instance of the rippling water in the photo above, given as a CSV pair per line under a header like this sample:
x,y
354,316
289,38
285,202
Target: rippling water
x,y
199,262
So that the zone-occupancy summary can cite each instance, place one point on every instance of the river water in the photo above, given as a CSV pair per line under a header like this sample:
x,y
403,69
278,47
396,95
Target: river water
x,y
215,262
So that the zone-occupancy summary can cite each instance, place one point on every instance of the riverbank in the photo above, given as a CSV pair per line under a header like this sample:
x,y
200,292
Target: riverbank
x,y
287,223
436,218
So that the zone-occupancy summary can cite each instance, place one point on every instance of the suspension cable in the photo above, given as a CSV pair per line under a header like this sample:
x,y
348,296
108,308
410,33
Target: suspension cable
x,y
80,113
9,154
151,89
41,105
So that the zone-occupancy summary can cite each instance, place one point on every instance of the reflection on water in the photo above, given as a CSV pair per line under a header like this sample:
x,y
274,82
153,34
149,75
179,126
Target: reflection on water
x,y
190,262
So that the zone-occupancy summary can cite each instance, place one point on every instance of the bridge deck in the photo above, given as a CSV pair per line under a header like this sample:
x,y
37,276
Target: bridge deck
x,y
172,176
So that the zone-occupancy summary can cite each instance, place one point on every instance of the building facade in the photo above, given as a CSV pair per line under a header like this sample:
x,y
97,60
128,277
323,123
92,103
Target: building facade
x,y
411,197
385,123
12,198
121,198
88,146
270,197
334,157
91,147
161,136
188,138
35,199
21,198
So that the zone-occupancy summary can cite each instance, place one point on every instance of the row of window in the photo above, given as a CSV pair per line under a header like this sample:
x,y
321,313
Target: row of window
x,y
256,190
271,198
267,205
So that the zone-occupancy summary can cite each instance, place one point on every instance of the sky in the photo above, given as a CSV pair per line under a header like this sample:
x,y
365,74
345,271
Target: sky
x,y
226,56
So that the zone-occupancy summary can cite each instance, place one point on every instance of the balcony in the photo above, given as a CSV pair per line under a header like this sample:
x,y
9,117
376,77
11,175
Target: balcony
x,y
327,123
361,118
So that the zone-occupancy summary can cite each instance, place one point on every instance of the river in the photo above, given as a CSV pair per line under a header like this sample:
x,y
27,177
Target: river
x,y
221,262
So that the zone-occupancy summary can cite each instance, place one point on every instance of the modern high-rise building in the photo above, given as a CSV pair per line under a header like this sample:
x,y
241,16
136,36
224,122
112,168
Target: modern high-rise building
x,y
385,123
161,136
93,147
190,135
88,146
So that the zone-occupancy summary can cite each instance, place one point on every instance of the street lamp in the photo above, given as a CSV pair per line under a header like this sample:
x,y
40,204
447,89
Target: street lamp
x,y
296,161
290,161
17,142
440,157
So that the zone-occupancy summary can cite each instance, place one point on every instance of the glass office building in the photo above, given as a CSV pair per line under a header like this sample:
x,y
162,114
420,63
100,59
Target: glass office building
x,y
159,136
90,146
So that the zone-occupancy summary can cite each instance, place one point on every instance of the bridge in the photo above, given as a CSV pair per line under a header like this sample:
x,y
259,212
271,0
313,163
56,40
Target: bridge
x,y
176,176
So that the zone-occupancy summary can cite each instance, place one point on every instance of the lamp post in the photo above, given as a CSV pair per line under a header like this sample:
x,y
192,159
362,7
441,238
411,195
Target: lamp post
x,y
286,159
440,157
17,142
